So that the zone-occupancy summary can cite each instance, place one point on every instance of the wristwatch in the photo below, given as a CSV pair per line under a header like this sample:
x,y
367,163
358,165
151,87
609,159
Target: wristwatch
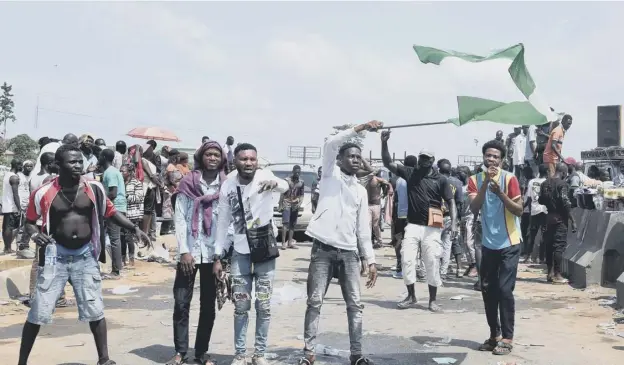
x,y
216,257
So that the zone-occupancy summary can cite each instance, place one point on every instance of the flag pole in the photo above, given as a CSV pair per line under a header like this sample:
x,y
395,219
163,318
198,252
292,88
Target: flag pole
x,y
413,125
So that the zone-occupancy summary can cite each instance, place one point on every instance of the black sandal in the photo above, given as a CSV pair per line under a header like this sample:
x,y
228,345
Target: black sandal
x,y
361,360
305,361
489,345
502,348
174,361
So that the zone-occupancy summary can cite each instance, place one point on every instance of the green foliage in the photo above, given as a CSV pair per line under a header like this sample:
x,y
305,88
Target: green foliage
x,y
357,139
6,104
24,147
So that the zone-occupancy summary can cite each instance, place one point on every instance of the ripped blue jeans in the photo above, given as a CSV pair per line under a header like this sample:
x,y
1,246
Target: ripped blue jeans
x,y
244,274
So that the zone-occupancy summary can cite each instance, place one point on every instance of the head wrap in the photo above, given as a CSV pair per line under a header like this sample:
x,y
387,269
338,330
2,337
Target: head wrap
x,y
190,187
135,157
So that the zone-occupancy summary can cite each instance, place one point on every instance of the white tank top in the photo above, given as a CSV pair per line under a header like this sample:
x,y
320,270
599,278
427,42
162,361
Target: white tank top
x,y
8,204
23,190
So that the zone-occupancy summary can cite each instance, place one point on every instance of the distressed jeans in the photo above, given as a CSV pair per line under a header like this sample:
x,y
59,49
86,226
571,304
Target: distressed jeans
x,y
325,259
447,244
244,274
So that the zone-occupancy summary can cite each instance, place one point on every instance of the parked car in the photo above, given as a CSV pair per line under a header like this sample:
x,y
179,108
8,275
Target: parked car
x,y
309,176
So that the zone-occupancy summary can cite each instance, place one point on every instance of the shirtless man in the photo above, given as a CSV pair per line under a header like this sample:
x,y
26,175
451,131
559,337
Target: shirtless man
x,y
374,189
68,206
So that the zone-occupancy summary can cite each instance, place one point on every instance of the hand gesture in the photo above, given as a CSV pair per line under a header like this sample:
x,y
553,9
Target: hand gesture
x,y
385,136
187,264
373,125
454,232
217,269
494,187
143,238
490,173
372,276
267,186
42,239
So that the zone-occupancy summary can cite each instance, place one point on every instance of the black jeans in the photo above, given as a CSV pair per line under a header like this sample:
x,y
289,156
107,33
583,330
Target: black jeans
x,y
128,240
183,295
555,240
524,229
114,234
536,223
498,281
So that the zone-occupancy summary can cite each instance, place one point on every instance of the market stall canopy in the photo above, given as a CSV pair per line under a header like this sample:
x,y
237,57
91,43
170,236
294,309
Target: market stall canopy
x,y
154,133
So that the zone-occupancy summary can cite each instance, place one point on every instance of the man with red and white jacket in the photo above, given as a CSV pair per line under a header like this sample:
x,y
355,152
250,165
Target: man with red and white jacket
x,y
72,210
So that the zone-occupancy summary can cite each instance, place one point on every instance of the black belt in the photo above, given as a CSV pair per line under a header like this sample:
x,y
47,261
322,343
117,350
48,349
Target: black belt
x,y
327,247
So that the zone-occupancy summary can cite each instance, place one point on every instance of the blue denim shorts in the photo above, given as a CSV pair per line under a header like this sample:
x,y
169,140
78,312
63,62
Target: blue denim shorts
x,y
83,273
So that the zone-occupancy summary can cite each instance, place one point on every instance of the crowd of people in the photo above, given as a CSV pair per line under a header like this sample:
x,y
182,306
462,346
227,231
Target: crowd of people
x,y
223,208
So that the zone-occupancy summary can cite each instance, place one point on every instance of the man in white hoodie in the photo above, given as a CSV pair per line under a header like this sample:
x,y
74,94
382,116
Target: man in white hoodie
x,y
340,228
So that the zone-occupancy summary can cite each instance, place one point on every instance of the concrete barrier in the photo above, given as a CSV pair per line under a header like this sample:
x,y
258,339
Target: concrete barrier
x,y
595,253
14,282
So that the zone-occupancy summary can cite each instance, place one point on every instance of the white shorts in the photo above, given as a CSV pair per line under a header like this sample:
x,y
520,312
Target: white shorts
x,y
421,242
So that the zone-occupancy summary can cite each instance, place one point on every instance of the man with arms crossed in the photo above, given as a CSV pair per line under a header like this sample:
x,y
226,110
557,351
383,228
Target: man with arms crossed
x,y
495,196
72,210
340,223
427,190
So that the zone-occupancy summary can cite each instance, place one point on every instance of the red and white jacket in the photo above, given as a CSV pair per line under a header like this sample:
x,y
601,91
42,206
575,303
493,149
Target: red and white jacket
x,y
42,198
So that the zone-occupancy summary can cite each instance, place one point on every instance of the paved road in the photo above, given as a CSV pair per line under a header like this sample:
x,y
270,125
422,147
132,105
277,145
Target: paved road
x,y
554,325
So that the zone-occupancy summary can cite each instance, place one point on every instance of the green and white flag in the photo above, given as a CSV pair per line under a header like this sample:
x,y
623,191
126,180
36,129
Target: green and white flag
x,y
496,88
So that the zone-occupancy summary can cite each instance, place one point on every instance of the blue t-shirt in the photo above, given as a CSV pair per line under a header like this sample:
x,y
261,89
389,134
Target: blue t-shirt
x,y
112,178
401,191
501,228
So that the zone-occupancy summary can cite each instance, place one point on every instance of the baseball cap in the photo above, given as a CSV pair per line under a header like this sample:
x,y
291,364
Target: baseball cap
x,y
426,152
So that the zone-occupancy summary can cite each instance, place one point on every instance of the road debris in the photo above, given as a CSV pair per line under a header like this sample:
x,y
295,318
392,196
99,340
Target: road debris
x,y
123,290
76,345
607,302
444,360
459,297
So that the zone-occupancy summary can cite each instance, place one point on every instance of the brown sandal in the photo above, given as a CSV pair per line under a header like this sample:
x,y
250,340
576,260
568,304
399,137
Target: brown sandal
x,y
502,348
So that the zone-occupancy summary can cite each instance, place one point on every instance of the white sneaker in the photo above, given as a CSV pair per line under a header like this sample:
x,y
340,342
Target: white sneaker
x,y
239,360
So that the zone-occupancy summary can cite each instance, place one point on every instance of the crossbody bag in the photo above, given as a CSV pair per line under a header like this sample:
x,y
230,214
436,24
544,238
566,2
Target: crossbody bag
x,y
261,240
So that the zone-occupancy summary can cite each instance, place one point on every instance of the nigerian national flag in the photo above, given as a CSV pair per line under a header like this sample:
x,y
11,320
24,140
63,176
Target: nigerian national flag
x,y
496,88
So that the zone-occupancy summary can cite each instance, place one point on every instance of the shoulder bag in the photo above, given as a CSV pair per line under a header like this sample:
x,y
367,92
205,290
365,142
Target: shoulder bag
x,y
261,240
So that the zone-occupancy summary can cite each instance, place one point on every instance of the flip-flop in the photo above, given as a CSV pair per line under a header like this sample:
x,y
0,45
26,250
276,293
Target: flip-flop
x,y
304,361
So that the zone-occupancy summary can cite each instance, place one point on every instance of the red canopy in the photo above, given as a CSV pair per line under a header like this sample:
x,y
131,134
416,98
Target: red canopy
x,y
154,133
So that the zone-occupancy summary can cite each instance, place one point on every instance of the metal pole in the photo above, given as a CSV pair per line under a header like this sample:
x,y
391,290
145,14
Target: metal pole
x,y
413,125
304,155
37,113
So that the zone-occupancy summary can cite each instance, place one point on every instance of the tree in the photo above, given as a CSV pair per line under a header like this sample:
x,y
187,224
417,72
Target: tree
x,y
358,139
24,147
6,105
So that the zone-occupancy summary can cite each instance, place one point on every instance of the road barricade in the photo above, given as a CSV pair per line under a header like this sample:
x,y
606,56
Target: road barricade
x,y
595,253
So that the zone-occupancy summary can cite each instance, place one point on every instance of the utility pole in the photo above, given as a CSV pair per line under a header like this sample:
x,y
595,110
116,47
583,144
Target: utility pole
x,y
37,113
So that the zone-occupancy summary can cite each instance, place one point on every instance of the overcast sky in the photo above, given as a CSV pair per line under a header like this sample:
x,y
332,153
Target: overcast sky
x,y
280,74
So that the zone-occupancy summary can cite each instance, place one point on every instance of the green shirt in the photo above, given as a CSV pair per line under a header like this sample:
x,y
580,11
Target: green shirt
x,y
112,178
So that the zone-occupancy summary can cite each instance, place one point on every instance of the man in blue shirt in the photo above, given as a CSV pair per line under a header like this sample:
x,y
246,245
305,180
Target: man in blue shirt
x,y
399,214
116,191
495,197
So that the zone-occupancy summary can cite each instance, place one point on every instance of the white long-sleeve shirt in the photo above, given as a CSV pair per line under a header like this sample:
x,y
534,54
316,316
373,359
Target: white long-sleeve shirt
x,y
258,209
342,219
